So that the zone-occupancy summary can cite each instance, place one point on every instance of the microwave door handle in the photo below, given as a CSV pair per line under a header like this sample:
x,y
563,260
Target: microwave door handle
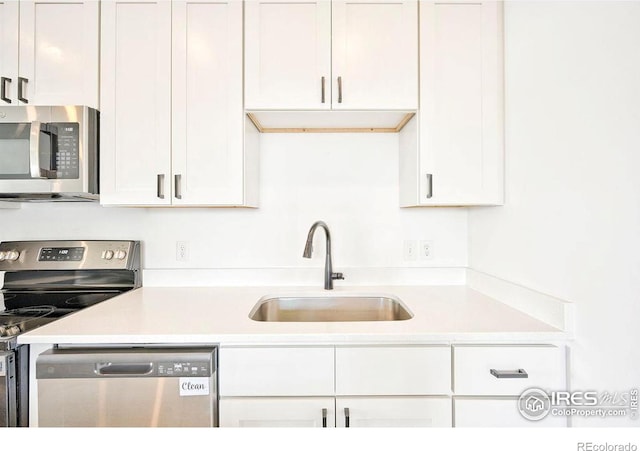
x,y
34,150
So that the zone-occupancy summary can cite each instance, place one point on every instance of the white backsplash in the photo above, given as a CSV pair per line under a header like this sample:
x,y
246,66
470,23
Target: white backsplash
x,y
348,180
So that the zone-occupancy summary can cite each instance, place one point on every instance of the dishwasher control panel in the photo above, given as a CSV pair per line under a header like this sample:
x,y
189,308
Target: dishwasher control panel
x,y
116,363
184,369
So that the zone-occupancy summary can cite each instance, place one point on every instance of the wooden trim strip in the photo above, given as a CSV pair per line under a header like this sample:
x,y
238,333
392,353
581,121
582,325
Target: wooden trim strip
x,y
395,129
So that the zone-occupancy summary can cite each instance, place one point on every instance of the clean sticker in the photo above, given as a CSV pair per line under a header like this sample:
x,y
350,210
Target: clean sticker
x,y
194,386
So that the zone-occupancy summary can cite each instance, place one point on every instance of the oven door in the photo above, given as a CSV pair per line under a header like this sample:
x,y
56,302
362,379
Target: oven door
x,y
27,150
8,400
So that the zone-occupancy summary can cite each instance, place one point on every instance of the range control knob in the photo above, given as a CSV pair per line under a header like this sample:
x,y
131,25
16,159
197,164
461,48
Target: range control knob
x,y
120,255
12,256
107,255
3,256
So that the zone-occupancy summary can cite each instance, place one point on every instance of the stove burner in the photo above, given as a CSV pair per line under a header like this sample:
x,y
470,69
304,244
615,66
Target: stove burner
x,y
13,322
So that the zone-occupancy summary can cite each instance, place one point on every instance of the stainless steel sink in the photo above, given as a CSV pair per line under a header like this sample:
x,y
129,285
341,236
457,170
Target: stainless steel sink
x,y
330,308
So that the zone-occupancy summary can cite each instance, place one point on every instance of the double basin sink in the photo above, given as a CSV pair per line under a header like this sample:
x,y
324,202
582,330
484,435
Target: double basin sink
x,y
330,308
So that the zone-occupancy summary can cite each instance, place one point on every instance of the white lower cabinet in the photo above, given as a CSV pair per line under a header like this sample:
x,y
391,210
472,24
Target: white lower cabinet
x,y
390,411
347,386
385,386
277,412
497,412
488,381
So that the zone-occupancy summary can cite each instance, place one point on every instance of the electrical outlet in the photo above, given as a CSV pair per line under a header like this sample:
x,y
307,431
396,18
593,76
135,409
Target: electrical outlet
x,y
182,251
426,250
410,250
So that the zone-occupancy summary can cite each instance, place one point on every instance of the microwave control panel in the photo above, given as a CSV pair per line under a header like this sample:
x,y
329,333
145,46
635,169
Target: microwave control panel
x,y
68,150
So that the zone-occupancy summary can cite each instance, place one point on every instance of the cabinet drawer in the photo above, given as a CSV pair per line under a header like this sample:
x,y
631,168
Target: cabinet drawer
x,y
393,370
281,371
497,412
500,370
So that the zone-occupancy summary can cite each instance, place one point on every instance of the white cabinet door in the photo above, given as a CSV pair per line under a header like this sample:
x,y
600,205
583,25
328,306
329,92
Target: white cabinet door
x,y
59,52
497,412
375,54
277,412
208,120
389,411
460,158
9,51
136,103
287,54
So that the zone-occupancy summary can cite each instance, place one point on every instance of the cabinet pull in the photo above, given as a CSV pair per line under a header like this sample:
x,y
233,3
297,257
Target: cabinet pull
x,y
161,186
429,186
339,89
346,417
21,84
323,83
4,81
324,418
178,188
509,374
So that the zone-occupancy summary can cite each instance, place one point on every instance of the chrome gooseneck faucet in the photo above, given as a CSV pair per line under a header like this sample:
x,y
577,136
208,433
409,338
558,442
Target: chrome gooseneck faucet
x,y
329,275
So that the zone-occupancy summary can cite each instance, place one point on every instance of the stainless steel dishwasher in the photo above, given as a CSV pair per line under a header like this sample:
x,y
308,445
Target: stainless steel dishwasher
x,y
133,387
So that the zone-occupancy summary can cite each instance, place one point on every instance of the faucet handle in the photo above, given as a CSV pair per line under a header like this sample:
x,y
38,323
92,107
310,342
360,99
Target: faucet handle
x,y
337,276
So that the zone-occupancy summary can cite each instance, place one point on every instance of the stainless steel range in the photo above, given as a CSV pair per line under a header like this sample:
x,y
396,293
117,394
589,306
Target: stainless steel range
x,y
44,281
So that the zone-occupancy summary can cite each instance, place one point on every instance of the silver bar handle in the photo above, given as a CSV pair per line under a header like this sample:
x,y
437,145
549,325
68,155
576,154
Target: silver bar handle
x,y
178,188
34,150
323,90
429,186
161,186
509,374
21,84
324,418
339,89
347,418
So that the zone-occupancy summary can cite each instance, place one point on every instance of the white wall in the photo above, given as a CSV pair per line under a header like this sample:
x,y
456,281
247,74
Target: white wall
x,y
349,181
571,223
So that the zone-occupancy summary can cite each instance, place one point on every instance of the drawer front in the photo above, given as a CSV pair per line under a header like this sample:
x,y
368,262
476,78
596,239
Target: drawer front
x,y
497,412
393,370
500,370
277,371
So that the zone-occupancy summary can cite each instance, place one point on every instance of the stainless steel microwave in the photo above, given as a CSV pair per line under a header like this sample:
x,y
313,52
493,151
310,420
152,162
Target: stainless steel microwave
x,y
49,153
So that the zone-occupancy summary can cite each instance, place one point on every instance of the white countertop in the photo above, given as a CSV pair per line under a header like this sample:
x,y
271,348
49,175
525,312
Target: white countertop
x,y
186,315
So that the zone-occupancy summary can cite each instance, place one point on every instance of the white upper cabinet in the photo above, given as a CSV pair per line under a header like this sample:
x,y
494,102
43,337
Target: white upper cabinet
x,y
173,128
135,138
8,52
320,55
460,125
54,58
375,55
288,54
207,121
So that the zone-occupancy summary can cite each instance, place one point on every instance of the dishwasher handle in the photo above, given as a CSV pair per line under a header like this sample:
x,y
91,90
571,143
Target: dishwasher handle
x,y
124,369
